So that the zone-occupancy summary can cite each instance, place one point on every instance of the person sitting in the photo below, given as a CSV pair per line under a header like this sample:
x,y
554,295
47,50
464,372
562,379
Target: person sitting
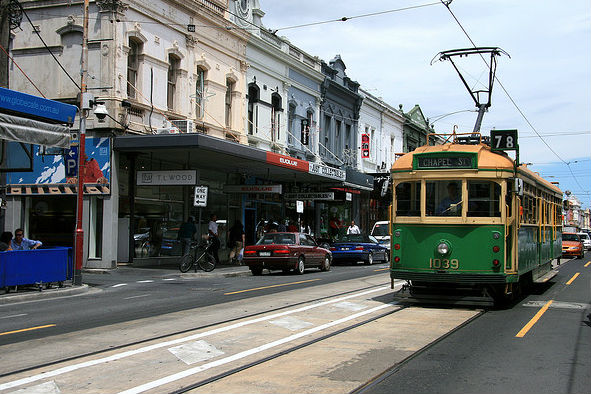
x,y
450,205
21,243
5,240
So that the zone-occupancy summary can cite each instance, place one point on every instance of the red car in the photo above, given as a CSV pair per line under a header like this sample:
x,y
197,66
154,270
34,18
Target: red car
x,y
286,251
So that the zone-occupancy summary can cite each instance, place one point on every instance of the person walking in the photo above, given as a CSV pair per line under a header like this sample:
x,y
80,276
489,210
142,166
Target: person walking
x,y
236,241
212,230
186,234
353,228
21,243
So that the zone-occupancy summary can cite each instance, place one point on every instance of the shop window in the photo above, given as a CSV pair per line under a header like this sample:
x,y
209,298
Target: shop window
x,y
484,198
408,199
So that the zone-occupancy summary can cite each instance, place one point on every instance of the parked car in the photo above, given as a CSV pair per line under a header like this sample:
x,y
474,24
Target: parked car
x,y
356,247
586,240
381,231
286,251
572,246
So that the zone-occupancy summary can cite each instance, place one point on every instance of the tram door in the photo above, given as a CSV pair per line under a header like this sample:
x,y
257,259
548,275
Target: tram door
x,y
512,224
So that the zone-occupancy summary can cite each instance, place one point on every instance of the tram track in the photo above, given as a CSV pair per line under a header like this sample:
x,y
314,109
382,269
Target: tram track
x,y
181,332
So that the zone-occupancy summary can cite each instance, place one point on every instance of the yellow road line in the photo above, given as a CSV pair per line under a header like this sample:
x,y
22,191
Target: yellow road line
x,y
533,320
573,278
268,287
587,265
26,329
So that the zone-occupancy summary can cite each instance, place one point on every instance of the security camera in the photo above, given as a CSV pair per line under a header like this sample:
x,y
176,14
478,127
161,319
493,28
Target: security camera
x,y
101,112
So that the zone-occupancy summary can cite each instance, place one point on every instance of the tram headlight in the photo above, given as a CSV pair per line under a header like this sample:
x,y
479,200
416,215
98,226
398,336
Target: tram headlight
x,y
443,248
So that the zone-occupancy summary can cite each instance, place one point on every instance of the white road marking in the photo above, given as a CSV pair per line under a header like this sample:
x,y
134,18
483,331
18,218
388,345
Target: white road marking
x,y
119,285
43,388
11,316
291,323
145,281
246,353
169,279
137,296
129,353
350,306
194,352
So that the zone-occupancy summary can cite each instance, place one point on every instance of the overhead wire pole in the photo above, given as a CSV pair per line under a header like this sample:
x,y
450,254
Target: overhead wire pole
x,y
79,234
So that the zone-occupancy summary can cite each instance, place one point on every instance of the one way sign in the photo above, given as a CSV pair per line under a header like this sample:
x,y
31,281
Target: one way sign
x,y
71,161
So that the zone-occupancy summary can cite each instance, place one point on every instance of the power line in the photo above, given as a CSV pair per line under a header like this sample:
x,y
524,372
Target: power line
x,y
446,4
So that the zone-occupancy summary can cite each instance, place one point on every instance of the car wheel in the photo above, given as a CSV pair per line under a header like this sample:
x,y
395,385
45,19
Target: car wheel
x,y
301,267
581,255
370,258
256,271
326,264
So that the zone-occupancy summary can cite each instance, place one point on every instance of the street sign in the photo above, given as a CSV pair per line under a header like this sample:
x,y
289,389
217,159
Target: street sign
x,y
299,206
71,161
200,196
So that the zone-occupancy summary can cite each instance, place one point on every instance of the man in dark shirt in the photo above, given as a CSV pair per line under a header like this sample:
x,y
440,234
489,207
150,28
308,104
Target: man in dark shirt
x,y
186,234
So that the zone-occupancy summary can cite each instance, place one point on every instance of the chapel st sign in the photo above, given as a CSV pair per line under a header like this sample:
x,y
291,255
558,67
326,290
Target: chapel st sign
x,y
158,178
449,161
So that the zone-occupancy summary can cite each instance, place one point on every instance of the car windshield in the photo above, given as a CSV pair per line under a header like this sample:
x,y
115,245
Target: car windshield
x,y
277,239
380,230
570,237
583,236
352,238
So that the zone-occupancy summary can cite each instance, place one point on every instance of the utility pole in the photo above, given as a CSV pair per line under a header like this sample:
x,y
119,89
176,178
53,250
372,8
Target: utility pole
x,y
85,106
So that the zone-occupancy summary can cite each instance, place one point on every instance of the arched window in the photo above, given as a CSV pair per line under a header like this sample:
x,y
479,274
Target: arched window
x,y
275,116
135,49
200,93
291,127
253,98
173,73
229,90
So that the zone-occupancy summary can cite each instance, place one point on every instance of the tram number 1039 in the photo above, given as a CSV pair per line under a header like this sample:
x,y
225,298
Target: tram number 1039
x,y
446,264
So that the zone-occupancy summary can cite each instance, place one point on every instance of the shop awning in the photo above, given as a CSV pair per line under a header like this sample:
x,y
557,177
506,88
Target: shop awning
x,y
28,131
215,153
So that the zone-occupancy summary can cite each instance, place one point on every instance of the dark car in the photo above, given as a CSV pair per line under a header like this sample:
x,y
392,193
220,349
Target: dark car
x,y
356,247
286,251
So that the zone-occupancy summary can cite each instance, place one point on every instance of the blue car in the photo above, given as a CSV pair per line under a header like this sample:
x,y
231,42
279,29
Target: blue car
x,y
358,247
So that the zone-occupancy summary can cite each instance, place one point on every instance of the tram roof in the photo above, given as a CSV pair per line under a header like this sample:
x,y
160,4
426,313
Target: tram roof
x,y
487,160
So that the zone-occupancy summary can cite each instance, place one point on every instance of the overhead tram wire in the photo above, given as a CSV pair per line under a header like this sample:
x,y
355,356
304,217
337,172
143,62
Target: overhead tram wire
x,y
346,18
446,3
46,47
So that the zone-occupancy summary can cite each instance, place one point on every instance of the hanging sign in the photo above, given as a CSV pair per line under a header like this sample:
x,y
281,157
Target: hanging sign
x,y
365,146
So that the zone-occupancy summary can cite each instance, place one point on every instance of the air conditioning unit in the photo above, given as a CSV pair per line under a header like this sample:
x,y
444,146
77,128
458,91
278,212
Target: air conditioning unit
x,y
168,130
184,126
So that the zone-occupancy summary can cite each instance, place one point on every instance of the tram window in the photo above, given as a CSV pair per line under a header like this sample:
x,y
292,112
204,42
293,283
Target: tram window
x,y
483,199
408,199
444,198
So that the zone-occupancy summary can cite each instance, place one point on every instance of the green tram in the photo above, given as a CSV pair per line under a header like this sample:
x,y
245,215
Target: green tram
x,y
468,223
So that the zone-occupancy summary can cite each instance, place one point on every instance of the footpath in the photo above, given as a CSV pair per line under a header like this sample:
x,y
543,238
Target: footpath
x,y
44,291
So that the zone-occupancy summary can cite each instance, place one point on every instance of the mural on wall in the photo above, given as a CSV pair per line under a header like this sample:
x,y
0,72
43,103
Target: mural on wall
x,y
57,174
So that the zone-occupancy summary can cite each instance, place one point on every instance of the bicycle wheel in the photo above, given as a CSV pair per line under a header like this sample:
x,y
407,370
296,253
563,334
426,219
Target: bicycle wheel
x,y
206,262
186,262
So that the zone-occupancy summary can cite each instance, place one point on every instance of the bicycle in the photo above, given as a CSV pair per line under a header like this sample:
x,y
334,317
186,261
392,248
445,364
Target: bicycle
x,y
199,256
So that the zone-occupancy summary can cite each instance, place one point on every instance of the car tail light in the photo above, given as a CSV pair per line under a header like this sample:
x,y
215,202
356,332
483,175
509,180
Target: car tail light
x,y
496,262
358,247
281,251
397,246
396,259
496,249
332,248
250,252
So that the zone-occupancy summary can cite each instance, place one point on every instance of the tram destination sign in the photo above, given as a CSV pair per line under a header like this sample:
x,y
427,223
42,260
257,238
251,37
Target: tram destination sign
x,y
444,161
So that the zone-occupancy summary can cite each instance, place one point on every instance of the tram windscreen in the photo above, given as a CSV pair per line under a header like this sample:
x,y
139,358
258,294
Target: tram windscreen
x,y
444,198
408,199
483,199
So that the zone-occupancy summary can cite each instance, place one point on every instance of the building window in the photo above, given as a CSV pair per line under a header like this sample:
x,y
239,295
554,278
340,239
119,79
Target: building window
x,y
173,72
291,124
200,93
253,98
228,113
135,48
275,117
338,148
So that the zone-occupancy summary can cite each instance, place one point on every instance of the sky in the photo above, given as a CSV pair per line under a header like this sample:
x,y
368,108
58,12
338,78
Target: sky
x,y
543,86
